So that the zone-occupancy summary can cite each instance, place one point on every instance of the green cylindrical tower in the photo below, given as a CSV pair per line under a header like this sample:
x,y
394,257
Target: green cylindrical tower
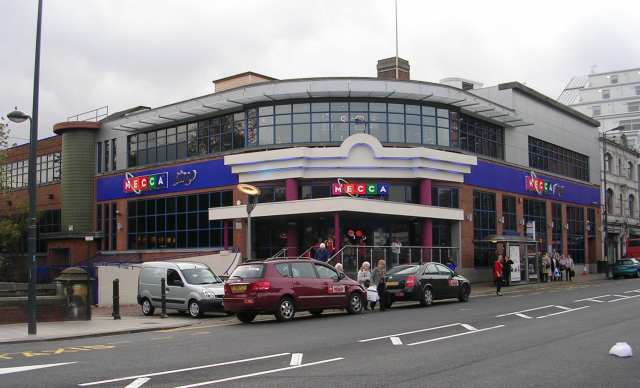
x,y
78,171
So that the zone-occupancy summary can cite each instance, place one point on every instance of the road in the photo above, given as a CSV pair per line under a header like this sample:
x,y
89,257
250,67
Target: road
x,y
557,337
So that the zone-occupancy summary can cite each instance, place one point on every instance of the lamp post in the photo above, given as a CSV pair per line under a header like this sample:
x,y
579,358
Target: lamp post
x,y
252,192
19,117
606,199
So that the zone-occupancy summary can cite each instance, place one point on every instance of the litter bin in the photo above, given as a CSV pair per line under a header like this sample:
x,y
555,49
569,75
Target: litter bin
x,y
76,285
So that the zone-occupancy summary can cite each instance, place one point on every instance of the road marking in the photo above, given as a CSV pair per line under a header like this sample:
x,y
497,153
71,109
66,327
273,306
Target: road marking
x,y
627,292
160,338
562,312
524,311
296,359
592,299
260,373
195,327
183,369
525,316
410,332
468,327
137,383
201,333
119,342
563,308
15,369
623,297
395,340
455,335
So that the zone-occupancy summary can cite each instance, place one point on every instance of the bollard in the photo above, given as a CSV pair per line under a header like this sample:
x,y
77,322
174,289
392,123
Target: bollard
x,y
163,293
116,299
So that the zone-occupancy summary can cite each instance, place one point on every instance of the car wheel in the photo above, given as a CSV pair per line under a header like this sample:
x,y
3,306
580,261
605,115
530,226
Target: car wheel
x,y
464,293
194,309
147,307
316,313
426,299
246,317
286,310
356,303
637,275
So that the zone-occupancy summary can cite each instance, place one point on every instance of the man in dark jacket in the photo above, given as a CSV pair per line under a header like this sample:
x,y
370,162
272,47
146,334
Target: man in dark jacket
x,y
506,272
321,254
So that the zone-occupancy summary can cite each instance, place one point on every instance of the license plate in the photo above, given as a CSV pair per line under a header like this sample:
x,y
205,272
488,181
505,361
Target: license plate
x,y
392,284
238,287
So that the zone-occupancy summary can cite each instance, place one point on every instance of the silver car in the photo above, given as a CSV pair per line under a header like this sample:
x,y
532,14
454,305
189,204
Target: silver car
x,y
190,286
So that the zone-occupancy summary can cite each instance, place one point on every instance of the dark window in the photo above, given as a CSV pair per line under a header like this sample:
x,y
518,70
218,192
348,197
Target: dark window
x,y
173,278
536,211
106,155
177,222
114,226
315,191
99,156
591,218
248,271
575,233
480,137
444,197
550,157
113,154
509,213
271,194
484,224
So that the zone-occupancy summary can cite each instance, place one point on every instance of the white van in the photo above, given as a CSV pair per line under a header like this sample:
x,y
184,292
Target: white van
x,y
190,286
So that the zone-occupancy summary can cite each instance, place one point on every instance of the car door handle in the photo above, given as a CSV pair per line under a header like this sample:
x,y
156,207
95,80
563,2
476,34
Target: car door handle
x,y
297,283
168,289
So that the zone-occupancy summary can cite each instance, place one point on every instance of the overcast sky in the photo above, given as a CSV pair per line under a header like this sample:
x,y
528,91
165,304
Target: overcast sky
x,y
155,52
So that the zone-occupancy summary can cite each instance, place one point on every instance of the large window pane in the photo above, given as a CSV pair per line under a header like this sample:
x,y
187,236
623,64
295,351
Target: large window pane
x,y
320,133
301,133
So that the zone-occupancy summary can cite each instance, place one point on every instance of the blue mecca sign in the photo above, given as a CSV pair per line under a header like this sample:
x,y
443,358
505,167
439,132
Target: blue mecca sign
x,y
172,179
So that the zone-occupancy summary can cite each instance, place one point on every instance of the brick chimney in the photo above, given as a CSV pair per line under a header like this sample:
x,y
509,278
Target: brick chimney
x,y
387,69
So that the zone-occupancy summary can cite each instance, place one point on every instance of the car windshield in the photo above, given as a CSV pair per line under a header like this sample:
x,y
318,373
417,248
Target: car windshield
x,y
200,276
403,270
249,271
626,262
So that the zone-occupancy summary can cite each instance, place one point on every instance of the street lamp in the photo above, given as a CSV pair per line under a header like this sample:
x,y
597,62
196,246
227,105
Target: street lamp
x,y
19,117
252,193
606,199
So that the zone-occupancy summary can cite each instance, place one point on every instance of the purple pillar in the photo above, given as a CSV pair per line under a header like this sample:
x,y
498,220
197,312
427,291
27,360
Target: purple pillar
x,y
336,230
291,194
427,225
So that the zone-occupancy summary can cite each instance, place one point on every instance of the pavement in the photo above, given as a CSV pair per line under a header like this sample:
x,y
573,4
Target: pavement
x,y
134,322
98,326
534,336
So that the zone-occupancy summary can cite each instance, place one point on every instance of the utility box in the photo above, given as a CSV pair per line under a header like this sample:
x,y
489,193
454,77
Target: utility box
x,y
75,284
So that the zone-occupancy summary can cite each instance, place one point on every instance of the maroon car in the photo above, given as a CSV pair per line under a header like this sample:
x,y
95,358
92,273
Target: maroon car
x,y
282,287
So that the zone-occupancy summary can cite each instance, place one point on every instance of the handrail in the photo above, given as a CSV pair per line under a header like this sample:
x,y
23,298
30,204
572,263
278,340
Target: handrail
x,y
351,256
302,255
281,253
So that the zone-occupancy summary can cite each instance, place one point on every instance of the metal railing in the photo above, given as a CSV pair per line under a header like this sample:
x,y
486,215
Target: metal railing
x,y
280,254
91,115
352,256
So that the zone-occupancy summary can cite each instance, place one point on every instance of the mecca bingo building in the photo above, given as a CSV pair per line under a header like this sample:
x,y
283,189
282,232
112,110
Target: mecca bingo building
x,y
438,170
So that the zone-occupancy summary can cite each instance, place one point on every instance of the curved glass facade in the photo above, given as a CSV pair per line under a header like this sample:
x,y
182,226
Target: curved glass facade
x,y
301,122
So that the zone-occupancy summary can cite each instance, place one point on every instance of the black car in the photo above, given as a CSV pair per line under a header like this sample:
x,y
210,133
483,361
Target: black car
x,y
425,283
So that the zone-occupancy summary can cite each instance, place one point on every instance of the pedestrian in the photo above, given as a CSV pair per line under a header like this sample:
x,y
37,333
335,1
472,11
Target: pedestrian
x,y
506,271
569,271
331,245
377,280
552,268
497,275
546,267
372,295
321,253
451,265
339,268
364,273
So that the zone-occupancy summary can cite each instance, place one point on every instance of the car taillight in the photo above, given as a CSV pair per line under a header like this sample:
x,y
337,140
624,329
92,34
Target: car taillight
x,y
410,282
227,289
263,285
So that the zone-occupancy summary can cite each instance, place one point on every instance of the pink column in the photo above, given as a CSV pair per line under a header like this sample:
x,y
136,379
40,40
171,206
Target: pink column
x,y
291,194
336,230
427,224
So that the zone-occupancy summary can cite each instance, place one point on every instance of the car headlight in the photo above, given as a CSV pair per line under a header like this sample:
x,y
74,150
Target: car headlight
x,y
208,293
